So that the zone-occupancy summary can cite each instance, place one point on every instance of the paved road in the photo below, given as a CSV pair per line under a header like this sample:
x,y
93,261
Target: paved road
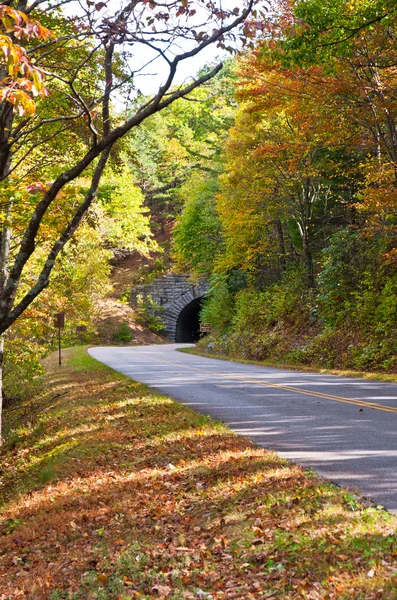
x,y
346,429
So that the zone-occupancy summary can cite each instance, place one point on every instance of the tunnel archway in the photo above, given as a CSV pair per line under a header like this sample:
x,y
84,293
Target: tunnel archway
x,y
188,323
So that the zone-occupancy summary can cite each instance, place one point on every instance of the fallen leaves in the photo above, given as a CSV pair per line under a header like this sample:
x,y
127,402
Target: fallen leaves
x,y
151,507
163,591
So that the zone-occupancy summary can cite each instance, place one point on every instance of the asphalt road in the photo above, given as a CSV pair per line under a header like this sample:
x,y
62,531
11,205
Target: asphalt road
x,y
344,428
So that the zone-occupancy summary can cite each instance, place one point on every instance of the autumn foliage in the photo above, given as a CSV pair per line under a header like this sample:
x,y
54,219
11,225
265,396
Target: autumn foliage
x,y
308,197
21,79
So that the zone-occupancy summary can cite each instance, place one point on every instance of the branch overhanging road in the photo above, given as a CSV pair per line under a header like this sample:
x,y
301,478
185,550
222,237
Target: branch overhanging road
x,y
344,428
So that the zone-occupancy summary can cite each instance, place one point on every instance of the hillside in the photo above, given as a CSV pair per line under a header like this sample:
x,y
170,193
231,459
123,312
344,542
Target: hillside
x,y
114,311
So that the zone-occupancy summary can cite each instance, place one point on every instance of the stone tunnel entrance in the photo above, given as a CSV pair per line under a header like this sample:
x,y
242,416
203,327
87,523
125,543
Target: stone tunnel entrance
x,y
177,301
188,323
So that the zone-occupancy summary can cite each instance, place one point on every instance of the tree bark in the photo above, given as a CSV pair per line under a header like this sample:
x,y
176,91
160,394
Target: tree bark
x,y
282,253
5,242
1,387
308,258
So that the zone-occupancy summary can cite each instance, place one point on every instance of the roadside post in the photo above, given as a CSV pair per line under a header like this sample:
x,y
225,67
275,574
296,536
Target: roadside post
x,y
59,323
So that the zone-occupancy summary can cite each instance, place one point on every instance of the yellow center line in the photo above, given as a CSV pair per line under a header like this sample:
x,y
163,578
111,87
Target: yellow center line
x,y
279,386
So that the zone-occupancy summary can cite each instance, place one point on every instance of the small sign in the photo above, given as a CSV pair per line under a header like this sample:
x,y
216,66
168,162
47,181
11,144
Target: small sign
x,y
59,323
81,328
205,328
59,320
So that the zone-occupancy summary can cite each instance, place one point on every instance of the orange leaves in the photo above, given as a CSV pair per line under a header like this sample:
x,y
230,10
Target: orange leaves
x,y
377,199
285,163
19,99
17,22
257,528
24,79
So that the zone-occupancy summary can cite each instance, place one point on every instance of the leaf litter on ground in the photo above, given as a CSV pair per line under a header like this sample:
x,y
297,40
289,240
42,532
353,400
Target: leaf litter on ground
x,y
111,491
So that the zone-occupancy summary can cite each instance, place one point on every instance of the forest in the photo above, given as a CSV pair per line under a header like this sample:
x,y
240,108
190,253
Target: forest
x,y
296,228
273,179
248,147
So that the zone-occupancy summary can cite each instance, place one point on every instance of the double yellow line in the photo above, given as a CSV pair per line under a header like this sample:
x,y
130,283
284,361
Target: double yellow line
x,y
278,386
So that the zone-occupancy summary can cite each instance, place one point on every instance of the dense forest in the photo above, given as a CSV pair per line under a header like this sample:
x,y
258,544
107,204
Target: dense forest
x,y
274,179
298,232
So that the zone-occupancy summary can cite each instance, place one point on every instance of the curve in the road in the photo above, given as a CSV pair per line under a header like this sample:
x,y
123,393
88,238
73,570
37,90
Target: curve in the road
x,y
342,427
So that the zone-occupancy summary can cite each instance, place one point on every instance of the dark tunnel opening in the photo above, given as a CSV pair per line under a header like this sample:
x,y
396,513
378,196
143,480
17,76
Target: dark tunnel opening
x,y
188,324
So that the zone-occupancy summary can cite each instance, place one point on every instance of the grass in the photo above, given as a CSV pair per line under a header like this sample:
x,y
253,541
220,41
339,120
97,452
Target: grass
x,y
371,375
111,491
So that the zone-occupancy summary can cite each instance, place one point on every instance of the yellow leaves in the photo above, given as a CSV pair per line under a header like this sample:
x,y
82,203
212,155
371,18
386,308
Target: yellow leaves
x,y
19,99
9,15
24,78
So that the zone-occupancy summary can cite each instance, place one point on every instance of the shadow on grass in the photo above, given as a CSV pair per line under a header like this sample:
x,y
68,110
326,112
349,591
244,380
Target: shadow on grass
x,y
143,492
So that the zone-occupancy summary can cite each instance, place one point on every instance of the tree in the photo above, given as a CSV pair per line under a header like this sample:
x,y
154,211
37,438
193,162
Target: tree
x,y
318,32
355,44
77,285
120,214
198,235
206,119
284,178
103,41
79,280
185,139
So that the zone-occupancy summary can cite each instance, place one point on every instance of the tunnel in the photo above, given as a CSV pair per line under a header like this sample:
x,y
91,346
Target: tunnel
x,y
188,324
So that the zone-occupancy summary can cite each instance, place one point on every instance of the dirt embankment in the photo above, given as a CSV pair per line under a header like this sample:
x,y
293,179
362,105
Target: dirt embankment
x,y
114,312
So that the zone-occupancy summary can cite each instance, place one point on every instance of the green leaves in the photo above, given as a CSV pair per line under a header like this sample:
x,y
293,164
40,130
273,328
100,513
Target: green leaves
x,y
121,216
198,233
321,31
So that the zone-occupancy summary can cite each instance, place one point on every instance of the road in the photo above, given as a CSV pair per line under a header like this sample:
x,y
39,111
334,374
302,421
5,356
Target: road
x,y
344,428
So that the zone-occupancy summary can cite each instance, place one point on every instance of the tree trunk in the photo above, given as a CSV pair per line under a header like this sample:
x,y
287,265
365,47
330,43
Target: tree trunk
x,y
5,243
308,258
1,387
282,253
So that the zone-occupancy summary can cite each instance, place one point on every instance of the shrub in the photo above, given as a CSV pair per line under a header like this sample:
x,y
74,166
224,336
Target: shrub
x,y
350,279
293,304
22,368
149,314
219,306
123,334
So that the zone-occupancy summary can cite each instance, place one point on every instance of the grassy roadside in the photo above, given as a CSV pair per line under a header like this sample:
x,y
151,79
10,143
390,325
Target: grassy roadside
x,y
111,491
371,375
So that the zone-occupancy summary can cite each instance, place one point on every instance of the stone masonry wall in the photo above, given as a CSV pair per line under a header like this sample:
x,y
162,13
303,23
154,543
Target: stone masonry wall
x,y
173,293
